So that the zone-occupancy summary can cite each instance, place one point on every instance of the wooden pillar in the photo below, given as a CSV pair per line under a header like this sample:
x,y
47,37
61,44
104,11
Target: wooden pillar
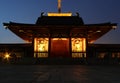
x,y
70,47
49,47
86,36
32,52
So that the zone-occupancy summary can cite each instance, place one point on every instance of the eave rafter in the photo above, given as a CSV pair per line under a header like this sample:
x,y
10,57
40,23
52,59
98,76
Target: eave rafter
x,y
90,31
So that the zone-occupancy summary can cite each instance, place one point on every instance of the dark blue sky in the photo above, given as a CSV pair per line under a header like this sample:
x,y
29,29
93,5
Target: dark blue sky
x,y
92,11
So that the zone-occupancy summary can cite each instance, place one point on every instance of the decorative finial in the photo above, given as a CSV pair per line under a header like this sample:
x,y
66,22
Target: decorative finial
x,y
59,6
42,13
77,14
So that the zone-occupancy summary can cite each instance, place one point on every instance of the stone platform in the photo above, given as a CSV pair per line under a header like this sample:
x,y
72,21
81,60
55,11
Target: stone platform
x,y
59,74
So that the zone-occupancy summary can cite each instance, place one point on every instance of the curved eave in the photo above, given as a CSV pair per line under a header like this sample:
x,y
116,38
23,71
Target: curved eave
x,y
98,30
91,31
25,31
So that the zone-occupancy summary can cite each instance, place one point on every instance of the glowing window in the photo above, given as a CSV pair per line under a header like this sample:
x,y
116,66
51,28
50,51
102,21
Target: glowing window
x,y
59,39
41,44
78,45
79,55
59,14
39,55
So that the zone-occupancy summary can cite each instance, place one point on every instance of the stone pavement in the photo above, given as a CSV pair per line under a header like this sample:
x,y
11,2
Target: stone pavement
x,y
59,74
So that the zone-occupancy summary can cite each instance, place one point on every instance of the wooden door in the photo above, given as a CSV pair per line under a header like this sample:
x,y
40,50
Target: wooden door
x,y
60,47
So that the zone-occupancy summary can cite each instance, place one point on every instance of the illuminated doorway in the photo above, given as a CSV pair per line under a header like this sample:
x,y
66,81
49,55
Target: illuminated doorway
x,y
60,47
41,47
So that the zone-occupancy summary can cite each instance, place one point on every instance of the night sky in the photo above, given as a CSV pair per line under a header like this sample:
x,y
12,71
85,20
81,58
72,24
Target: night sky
x,y
92,11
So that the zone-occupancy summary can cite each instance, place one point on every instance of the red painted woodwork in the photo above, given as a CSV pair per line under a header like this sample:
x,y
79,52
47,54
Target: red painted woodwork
x,y
59,48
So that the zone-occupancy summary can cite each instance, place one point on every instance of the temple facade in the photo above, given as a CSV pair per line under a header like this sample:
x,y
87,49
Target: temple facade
x,y
60,35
